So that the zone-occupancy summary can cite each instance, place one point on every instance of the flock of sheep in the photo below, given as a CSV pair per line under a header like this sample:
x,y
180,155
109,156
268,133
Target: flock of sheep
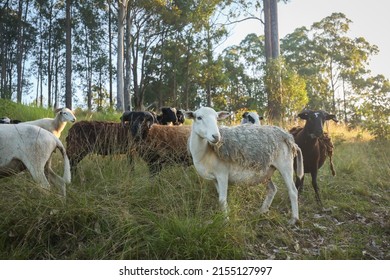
x,y
246,153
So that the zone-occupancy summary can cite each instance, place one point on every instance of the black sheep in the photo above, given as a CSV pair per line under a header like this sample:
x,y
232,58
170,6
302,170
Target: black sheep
x,y
316,145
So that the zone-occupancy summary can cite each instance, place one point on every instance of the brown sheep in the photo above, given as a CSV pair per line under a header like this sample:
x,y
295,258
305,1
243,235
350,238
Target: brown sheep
x,y
165,145
97,137
316,146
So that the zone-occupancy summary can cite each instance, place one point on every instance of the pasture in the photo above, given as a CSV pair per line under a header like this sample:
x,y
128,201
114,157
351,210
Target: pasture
x,y
113,213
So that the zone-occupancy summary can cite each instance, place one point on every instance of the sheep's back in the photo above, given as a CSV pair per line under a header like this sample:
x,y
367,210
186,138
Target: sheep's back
x,y
252,146
100,137
167,142
325,145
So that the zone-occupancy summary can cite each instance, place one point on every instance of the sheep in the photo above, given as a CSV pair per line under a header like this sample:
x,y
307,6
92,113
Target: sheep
x,y
167,116
56,125
25,146
243,154
315,145
139,122
251,117
180,117
165,145
6,120
102,138
159,144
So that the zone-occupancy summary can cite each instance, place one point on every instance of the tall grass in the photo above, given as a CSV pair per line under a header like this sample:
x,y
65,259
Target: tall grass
x,y
113,212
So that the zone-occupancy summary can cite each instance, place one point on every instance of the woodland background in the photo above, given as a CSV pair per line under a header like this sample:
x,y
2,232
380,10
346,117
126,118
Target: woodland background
x,y
105,55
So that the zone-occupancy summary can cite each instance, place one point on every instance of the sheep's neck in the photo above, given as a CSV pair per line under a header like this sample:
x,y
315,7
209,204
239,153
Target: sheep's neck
x,y
198,147
58,125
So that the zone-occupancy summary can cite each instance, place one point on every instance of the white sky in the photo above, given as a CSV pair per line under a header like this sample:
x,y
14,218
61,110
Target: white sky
x,y
370,19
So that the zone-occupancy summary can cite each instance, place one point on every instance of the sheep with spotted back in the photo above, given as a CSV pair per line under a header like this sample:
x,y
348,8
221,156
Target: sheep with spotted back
x,y
243,154
25,146
251,117
6,120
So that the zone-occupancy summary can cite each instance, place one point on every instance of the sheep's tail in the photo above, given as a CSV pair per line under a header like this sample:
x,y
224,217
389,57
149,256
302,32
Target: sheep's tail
x,y
67,174
300,171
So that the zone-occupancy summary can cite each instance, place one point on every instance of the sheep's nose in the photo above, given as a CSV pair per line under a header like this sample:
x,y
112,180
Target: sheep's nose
x,y
216,138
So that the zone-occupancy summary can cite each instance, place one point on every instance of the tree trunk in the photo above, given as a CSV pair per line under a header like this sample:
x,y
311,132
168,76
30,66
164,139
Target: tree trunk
x,y
272,51
68,71
19,53
127,96
49,66
267,30
274,29
110,53
120,56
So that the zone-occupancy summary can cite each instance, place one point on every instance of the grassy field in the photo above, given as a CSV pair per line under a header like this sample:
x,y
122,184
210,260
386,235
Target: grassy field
x,y
114,213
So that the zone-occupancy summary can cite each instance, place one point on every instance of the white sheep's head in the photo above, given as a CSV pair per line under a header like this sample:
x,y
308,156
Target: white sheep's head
x,y
66,115
205,123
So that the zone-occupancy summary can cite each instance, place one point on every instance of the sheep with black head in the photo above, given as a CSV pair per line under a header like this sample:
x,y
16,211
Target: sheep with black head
x,y
316,145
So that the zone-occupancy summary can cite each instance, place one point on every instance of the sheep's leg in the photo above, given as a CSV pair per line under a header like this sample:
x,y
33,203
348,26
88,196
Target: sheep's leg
x,y
287,174
315,186
55,179
74,161
331,165
154,168
38,175
299,184
271,191
222,188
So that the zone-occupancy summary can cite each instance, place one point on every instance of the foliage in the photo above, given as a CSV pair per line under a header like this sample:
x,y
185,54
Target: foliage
x,y
289,89
327,58
375,107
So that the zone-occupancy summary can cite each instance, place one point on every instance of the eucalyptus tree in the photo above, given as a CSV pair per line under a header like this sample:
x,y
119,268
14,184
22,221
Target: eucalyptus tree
x,y
372,110
48,17
326,57
68,54
90,52
160,42
16,42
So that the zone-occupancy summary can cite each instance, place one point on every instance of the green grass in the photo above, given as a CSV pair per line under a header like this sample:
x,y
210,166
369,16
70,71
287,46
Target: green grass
x,y
112,212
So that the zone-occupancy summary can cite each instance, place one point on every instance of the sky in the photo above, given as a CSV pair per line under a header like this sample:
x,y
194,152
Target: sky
x,y
370,19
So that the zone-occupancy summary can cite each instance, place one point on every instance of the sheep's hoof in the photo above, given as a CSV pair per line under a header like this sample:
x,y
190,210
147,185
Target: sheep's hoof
x,y
263,210
293,221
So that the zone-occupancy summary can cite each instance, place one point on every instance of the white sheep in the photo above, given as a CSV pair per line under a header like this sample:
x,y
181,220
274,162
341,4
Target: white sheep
x,y
251,117
25,146
243,154
56,125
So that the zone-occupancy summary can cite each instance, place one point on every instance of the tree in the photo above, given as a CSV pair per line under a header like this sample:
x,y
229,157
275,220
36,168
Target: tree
x,y
68,75
122,7
374,106
272,52
327,59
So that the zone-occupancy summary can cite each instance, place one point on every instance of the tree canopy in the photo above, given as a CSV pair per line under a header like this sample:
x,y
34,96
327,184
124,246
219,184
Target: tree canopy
x,y
167,57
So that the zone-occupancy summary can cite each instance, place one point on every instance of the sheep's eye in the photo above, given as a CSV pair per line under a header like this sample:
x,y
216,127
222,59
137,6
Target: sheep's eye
x,y
199,118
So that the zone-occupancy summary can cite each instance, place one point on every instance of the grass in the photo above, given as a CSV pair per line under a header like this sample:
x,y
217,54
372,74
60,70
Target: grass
x,y
112,212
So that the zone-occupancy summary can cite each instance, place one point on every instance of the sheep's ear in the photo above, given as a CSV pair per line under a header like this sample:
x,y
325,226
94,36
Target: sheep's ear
x,y
331,117
223,115
189,114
